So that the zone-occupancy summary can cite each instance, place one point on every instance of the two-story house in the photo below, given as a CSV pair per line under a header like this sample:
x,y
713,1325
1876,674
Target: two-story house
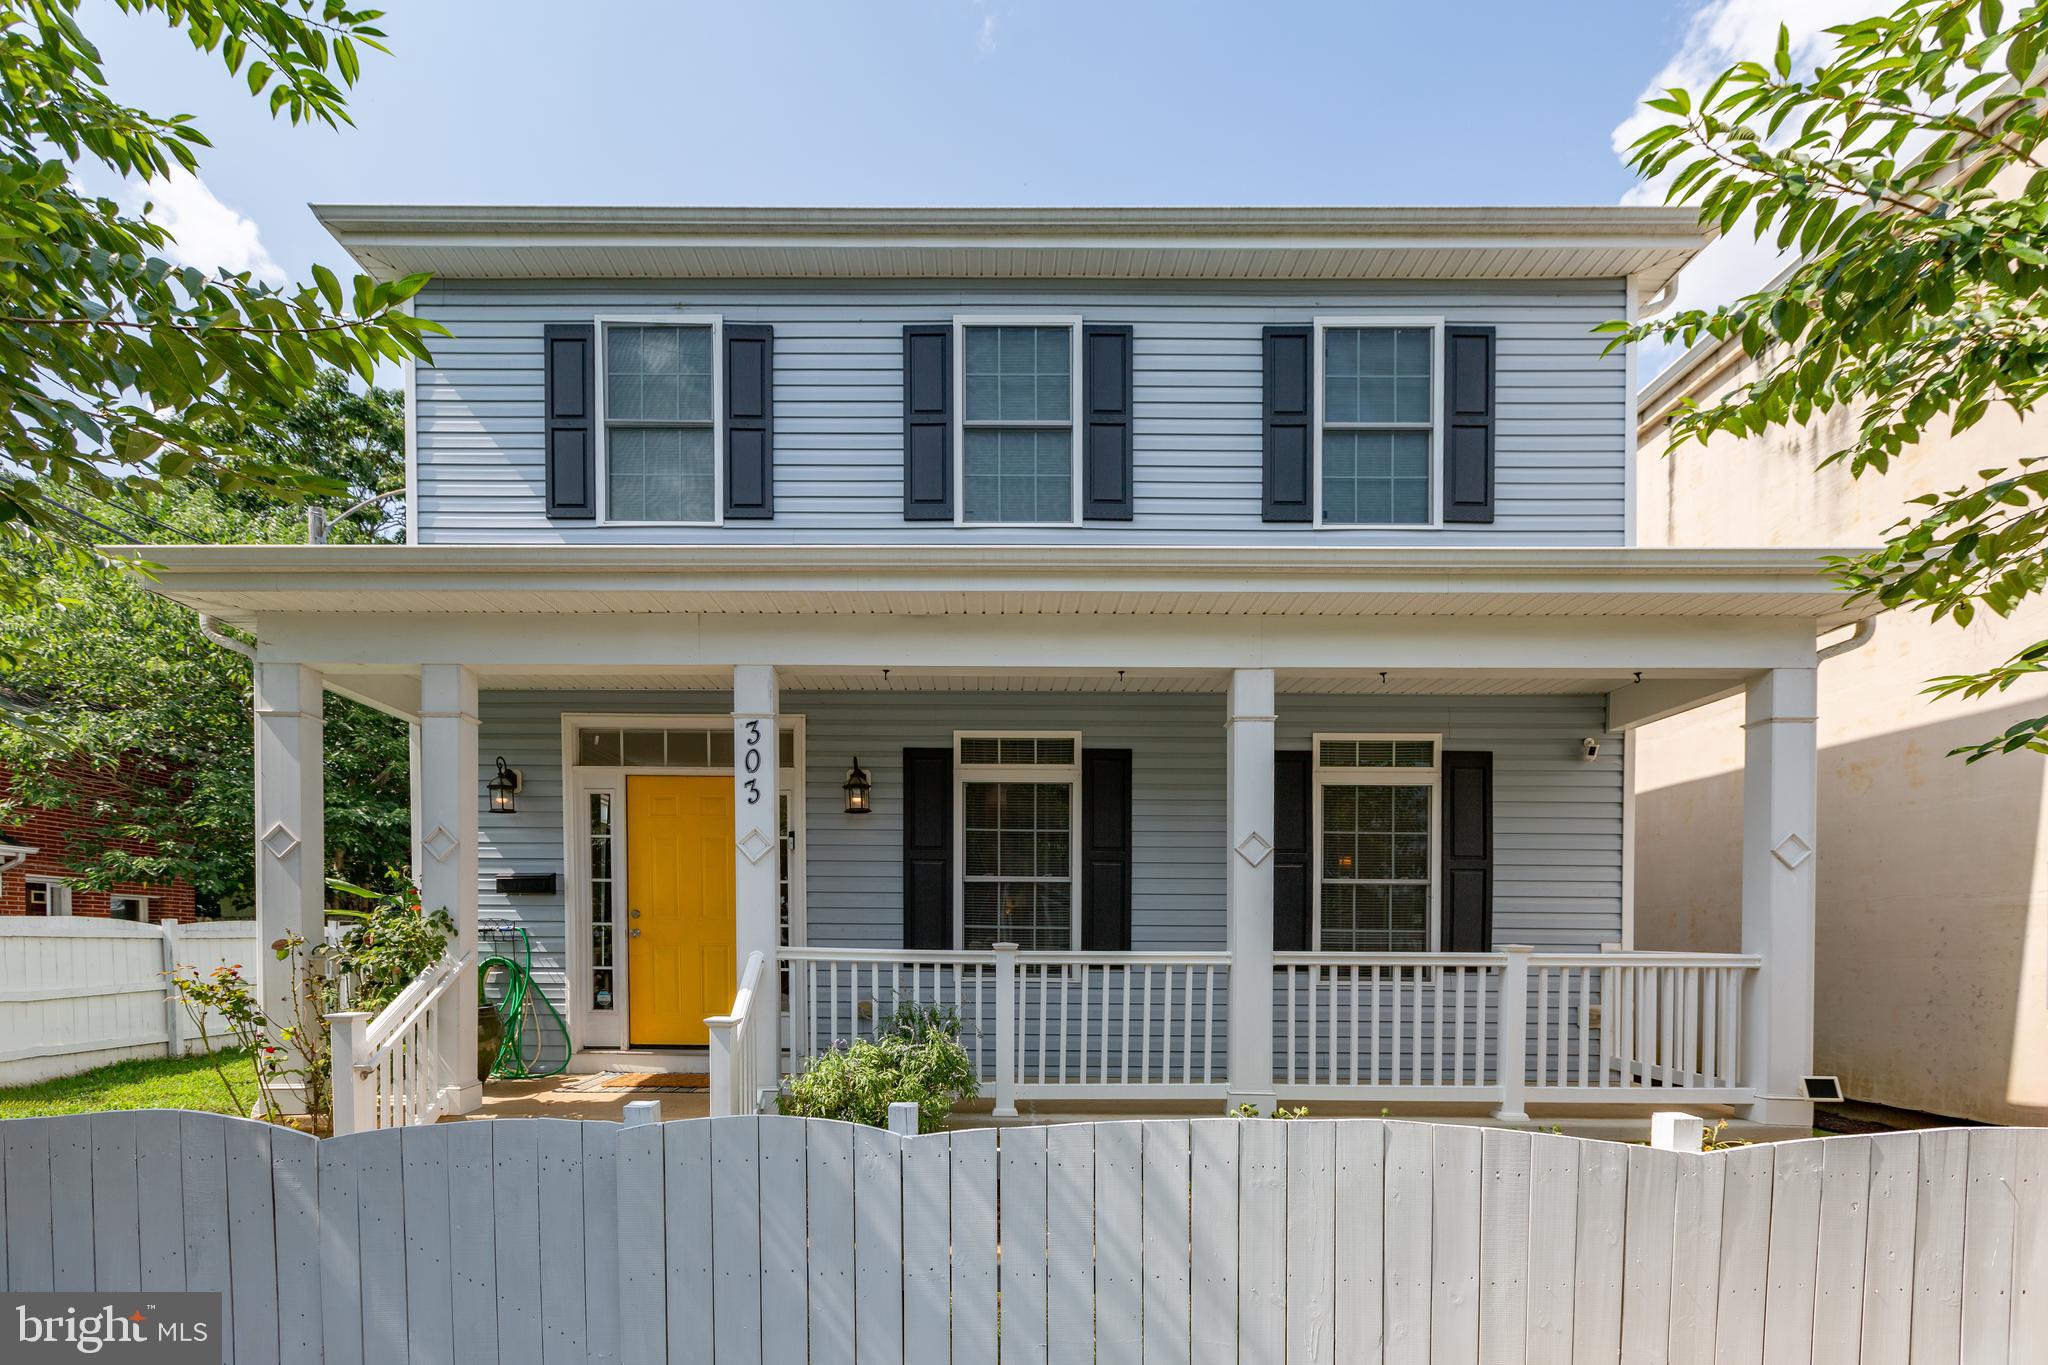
x,y
1199,645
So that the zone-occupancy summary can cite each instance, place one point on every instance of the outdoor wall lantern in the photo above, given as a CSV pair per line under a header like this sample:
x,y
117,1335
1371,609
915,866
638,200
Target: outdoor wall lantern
x,y
858,786
503,787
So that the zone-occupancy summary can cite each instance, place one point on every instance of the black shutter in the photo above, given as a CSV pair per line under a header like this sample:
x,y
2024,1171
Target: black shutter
x,y
1468,853
1106,403
749,422
569,364
1105,850
928,422
928,848
1291,840
1290,381
1468,424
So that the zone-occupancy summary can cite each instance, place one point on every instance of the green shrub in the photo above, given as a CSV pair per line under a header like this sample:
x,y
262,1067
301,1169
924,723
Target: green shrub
x,y
915,1056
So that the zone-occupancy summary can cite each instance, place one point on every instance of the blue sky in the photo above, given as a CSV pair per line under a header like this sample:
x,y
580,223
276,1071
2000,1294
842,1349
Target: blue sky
x,y
945,102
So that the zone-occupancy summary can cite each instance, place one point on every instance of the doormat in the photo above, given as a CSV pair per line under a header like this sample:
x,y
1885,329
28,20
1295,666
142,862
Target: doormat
x,y
686,1081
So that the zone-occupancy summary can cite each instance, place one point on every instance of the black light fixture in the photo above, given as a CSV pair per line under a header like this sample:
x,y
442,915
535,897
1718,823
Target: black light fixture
x,y
857,787
502,788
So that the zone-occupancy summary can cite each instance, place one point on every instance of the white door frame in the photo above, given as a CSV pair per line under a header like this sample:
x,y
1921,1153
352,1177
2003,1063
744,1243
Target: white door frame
x,y
593,1028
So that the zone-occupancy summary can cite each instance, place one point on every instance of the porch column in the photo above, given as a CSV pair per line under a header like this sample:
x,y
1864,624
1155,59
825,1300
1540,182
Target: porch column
x,y
291,831
757,835
449,781
1778,819
1249,886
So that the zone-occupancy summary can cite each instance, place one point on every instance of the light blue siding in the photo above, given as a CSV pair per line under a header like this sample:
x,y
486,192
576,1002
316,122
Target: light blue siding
x,y
1557,816
839,421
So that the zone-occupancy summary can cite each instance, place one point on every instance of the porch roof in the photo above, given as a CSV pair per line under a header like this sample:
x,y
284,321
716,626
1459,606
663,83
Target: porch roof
x,y
238,583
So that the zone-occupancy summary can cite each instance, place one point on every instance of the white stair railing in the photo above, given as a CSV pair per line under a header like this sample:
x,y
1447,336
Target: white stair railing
x,y
391,1070
736,1082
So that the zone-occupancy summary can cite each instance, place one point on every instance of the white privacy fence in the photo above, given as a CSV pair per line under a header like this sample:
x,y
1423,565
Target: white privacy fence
x,y
78,992
1500,1028
762,1241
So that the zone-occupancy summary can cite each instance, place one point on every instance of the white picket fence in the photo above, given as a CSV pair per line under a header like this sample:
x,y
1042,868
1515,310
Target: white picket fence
x,y
78,992
767,1240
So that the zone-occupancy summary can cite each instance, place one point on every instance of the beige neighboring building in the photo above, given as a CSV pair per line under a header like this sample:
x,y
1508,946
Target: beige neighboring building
x,y
1932,953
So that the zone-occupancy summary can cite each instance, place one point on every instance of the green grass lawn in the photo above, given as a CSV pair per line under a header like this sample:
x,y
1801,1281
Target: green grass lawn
x,y
152,1083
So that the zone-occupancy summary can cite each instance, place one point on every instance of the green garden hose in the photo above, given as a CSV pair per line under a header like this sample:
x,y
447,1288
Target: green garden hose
x,y
536,1040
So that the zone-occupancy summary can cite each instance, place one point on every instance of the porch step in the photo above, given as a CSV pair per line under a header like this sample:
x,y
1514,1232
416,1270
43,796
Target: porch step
x,y
592,1060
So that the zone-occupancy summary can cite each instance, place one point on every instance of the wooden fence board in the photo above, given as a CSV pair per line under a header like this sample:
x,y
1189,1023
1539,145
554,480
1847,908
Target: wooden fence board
x,y
600,1239
160,1200
1213,1269
1554,1247
878,1246
1022,1231
1311,1241
558,1157
380,1233
1794,1254
1989,1227
429,1276
690,1234
1646,1263
2030,1251
1696,1258
1164,1164
341,1261
295,1194
28,1212
1745,1255
1844,1235
1603,1212
736,1220
927,1265
828,1179
204,1178
116,1206
1119,1243
472,1234
639,1167
973,1186
1454,1246
71,1263
1360,1153
1938,1247
1885,1333
1503,1247
1410,1172
516,1229
1262,1242
785,1269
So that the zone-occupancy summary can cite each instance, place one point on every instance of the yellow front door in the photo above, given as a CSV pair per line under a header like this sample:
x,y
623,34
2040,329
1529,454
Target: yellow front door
x,y
679,889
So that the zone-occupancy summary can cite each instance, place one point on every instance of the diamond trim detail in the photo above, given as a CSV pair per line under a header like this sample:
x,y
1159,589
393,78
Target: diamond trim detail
x,y
1254,848
756,845
1792,851
440,845
280,842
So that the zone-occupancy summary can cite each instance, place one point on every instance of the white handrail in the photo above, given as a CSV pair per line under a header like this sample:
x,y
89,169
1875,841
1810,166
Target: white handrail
x,y
391,1070
735,1084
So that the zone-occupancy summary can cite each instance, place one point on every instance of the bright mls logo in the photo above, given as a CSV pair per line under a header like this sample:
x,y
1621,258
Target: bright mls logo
x,y
162,1329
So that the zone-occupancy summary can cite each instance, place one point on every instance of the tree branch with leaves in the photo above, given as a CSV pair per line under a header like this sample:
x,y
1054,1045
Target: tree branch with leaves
x,y
1907,171
121,372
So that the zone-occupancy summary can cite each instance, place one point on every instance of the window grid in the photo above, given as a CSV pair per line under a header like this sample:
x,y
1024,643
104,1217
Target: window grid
x,y
1376,833
1017,422
1377,395
1017,795
660,410
602,881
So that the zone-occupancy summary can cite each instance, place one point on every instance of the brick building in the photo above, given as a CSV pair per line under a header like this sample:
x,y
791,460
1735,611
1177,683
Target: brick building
x,y
36,876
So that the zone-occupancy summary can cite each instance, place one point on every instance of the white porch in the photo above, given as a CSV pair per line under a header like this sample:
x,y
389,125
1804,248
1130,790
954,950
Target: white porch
x,y
1642,633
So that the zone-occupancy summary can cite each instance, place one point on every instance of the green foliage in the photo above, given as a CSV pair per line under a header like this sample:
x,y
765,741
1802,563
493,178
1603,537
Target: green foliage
x,y
388,942
102,674
121,373
1908,173
915,1056
292,1049
1248,1110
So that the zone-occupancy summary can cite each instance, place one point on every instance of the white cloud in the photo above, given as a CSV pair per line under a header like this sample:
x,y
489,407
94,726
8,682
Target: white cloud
x,y
1723,32
204,232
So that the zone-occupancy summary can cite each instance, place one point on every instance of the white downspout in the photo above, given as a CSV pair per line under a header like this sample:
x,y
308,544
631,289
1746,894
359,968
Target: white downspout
x,y
211,629
1859,637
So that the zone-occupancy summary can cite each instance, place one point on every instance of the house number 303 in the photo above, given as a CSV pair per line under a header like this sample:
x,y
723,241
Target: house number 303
x,y
750,761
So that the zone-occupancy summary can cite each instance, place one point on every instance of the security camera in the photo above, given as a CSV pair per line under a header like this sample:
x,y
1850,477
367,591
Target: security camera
x,y
1592,749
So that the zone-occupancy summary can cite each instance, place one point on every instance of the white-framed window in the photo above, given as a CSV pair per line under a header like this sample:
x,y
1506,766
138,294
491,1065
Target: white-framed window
x,y
659,382
1376,822
1017,798
1016,448
121,905
603,890
48,895
1379,405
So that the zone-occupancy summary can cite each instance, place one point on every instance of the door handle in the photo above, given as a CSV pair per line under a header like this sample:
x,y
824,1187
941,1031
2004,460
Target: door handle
x,y
635,914
634,934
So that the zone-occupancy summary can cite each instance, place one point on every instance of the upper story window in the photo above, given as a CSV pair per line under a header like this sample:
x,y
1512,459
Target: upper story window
x,y
660,389
1376,437
1017,798
1020,389
1376,853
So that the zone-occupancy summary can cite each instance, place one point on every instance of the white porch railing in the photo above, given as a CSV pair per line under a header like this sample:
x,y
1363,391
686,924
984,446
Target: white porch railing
x,y
736,1083
391,1070
1502,1028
